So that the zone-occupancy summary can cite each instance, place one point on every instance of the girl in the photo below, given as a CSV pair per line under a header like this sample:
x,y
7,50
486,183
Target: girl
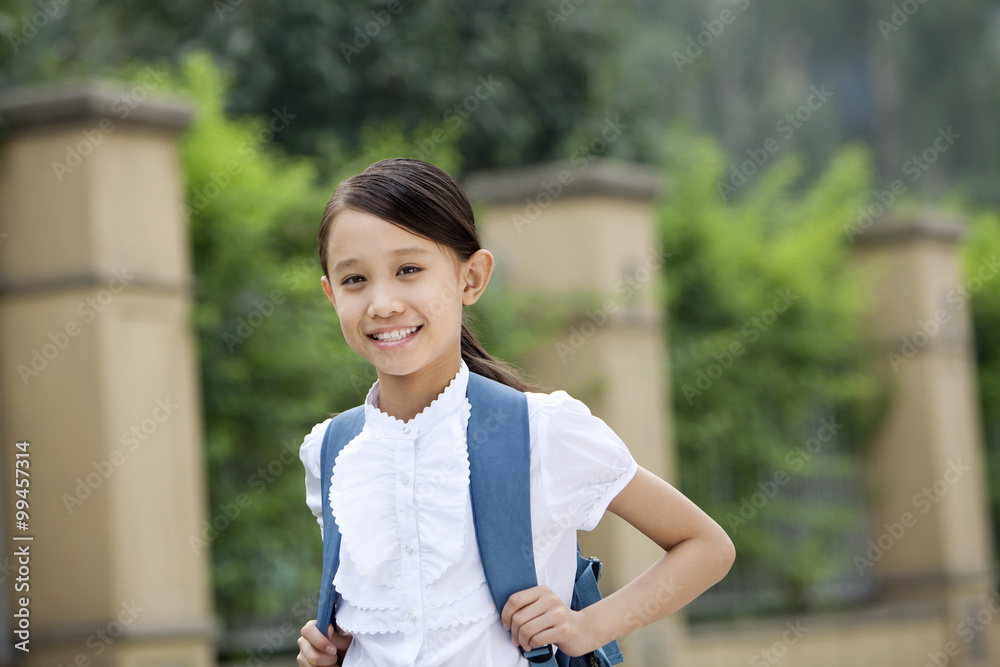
x,y
401,257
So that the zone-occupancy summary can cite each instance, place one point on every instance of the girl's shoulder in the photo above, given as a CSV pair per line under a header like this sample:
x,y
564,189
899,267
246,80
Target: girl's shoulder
x,y
557,403
582,463
559,421
313,442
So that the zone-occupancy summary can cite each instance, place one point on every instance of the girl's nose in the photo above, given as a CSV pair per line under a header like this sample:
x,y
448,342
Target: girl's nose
x,y
384,302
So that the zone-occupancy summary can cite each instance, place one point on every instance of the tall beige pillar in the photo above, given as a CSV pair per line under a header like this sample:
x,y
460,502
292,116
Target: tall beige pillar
x,y
98,376
930,538
589,228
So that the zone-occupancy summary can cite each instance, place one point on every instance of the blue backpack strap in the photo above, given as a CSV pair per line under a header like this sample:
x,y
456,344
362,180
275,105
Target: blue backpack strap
x,y
499,481
341,430
586,593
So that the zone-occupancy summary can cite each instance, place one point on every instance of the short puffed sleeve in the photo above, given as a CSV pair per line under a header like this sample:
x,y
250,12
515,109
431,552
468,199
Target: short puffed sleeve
x,y
309,454
583,463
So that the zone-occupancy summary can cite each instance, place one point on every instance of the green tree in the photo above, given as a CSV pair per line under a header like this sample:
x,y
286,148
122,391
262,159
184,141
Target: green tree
x,y
770,370
981,275
897,72
509,82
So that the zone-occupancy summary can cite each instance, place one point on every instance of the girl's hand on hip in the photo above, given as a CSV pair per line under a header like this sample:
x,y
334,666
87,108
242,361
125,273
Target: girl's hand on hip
x,y
316,649
537,616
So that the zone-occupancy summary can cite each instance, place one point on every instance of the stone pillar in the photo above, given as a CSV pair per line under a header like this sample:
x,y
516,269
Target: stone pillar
x,y
930,528
566,229
98,374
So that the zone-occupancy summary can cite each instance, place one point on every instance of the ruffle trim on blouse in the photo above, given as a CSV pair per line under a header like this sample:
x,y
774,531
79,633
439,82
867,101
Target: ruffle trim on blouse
x,y
426,418
363,497
310,454
473,608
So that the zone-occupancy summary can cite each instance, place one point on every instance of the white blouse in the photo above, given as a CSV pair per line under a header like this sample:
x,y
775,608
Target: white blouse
x,y
410,586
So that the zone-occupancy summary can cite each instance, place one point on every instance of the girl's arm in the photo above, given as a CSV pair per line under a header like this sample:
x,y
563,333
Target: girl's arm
x,y
698,554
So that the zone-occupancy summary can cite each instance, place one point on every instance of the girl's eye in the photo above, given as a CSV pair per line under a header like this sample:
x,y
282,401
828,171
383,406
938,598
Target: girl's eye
x,y
409,270
351,280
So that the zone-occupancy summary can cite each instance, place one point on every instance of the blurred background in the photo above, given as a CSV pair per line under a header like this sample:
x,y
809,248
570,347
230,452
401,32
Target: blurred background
x,y
790,210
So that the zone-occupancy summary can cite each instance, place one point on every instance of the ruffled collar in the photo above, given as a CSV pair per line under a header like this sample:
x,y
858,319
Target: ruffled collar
x,y
446,403
369,490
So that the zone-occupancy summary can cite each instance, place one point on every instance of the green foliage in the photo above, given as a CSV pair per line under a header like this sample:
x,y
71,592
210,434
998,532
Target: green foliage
x,y
441,66
735,68
768,360
981,282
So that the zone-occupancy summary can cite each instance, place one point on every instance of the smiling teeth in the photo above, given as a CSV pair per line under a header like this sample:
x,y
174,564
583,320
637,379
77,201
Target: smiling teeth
x,y
398,334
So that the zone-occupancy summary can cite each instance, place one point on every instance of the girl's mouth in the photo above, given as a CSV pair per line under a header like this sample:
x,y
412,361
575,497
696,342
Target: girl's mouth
x,y
395,335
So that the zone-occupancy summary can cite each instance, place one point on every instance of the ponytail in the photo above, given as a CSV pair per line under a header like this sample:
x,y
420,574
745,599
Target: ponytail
x,y
480,361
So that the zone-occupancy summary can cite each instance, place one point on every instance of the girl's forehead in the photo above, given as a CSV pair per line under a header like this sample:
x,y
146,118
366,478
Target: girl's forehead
x,y
352,226
363,234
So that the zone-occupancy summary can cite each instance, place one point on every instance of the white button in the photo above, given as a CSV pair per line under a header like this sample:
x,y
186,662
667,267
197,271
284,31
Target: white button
x,y
404,479
405,429
412,616
409,549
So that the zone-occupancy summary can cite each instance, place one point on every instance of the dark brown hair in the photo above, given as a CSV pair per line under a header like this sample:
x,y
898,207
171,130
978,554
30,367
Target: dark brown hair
x,y
427,201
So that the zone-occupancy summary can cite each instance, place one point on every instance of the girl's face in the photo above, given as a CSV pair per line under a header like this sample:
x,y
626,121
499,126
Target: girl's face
x,y
399,296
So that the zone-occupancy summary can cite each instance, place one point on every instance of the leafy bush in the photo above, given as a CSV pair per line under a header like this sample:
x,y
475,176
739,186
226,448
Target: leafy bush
x,y
981,254
769,366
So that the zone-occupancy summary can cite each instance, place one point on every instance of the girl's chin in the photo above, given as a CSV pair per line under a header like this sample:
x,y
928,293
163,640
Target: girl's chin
x,y
395,367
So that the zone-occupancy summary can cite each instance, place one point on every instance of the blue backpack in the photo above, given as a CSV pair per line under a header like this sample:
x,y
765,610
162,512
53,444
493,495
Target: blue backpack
x,y
499,481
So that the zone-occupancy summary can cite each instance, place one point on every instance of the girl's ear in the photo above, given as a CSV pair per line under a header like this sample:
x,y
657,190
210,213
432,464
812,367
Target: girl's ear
x,y
476,274
328,290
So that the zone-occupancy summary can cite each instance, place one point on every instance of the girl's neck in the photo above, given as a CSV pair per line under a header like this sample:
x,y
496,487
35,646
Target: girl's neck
x,y
405,396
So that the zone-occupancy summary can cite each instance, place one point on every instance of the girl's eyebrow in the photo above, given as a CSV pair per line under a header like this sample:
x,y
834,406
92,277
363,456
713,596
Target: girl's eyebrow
x,y
409,250
412,250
